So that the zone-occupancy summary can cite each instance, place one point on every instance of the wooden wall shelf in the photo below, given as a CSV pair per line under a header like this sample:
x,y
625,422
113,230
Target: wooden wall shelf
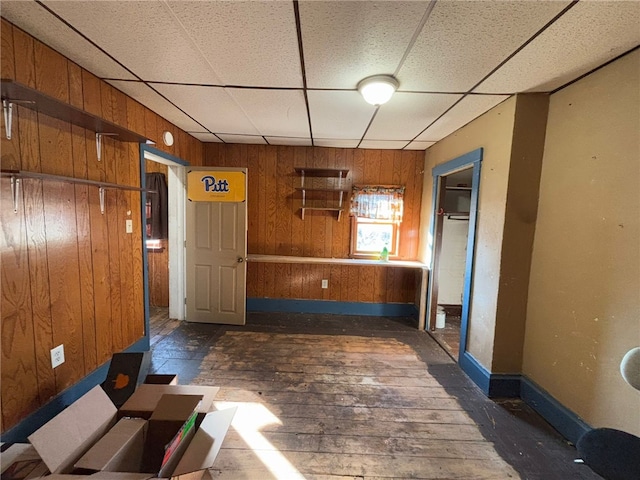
x,y
339,173
16,175
19,94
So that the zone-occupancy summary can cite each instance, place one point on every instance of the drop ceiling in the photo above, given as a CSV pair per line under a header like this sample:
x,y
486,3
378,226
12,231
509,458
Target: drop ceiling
x,y
285,73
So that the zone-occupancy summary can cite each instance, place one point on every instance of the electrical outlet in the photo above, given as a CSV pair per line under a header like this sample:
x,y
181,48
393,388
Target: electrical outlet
x,y
57,356
325,283
128,225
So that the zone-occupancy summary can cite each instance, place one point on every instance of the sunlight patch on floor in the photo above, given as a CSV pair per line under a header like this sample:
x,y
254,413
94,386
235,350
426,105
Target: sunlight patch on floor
x,y
250,418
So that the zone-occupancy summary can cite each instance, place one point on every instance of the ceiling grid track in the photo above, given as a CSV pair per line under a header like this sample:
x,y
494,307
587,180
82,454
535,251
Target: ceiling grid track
x,y
296,10
496,68
414,38
168,57
521,47
416,34
586,74
140,80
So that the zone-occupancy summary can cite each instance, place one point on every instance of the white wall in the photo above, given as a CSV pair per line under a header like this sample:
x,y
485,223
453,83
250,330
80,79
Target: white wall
x,y
452,261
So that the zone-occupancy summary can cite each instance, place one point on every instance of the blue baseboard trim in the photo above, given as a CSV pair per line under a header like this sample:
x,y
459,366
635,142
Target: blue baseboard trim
x,y
20,432
560,417
326,306
498,385
476,372
493,385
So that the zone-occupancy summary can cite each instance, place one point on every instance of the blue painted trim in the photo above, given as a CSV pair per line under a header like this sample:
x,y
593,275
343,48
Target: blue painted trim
x,y
472,159
143,237
143,201
160,153
324,306
570,425
458,162
480,375
30,424
493,385
560,417
471,248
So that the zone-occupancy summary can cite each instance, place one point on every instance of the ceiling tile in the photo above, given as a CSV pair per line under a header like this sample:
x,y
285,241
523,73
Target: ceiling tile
x,y
384,144
205,137
336,142
302,142
419,145
280,113
469,108
339,114
34,19
588,35
152,100
345,42
163,50
213,107
463,41
252,139
407,114
247,43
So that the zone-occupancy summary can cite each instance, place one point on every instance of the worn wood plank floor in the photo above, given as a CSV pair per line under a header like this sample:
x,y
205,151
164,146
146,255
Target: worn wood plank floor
x,y
342,397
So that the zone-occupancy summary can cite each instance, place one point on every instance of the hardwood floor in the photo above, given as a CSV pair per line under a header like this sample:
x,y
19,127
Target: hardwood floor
x,y
449,336
346,397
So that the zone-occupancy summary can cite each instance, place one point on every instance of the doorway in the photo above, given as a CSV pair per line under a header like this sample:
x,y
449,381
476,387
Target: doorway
x,y
171,266
453,222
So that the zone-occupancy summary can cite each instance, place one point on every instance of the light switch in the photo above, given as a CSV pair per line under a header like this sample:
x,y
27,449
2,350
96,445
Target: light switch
x,y
129,226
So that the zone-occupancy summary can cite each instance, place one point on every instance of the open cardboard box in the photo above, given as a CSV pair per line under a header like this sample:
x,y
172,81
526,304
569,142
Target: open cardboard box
x,y
63,440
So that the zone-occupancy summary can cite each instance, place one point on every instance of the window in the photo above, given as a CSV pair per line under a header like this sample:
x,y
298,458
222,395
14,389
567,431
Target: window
x,y
376,213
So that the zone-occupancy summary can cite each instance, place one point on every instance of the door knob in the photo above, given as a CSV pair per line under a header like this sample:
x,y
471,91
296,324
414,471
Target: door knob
x,y
240,259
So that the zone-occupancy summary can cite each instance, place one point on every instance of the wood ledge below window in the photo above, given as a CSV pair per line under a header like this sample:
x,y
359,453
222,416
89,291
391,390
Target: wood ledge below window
x,y
335,261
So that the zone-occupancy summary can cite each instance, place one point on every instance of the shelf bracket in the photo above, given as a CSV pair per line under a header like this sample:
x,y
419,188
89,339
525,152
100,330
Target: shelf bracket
x,y
99,142
101,193
7,106
15,192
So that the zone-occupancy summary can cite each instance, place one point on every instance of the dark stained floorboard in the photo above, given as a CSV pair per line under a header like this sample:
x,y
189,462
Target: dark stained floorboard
x,y
330,397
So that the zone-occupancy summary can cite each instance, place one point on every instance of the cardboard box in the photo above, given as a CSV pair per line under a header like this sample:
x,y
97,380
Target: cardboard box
x,y
67,436
126,372
120,450
161,379
171,424
145,399
64,439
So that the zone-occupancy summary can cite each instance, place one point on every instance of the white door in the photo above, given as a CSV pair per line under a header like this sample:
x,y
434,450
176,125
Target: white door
x,y
216,250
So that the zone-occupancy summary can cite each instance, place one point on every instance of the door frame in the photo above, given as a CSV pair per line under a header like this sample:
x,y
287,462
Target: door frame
x,y
177,198
473,160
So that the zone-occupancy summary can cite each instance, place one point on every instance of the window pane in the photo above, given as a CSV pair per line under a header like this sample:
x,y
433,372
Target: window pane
x,y
373,237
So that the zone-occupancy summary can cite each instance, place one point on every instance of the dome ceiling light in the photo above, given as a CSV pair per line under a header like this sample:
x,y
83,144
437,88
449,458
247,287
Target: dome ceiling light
x,y
378,89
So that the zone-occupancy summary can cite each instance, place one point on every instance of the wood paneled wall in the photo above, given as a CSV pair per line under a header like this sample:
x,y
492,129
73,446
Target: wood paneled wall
x,y
70,275
275,226
158,259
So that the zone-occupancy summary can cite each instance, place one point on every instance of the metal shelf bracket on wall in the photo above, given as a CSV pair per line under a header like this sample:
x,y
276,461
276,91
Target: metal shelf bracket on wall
x,y
15,189
7,106
16,175
99,142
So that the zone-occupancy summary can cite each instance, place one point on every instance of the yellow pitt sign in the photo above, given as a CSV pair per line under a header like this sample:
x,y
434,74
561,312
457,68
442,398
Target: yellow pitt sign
x,y
216,186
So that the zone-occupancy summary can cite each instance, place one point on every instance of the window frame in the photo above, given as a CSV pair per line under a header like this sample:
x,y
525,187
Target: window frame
x,y
395,238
